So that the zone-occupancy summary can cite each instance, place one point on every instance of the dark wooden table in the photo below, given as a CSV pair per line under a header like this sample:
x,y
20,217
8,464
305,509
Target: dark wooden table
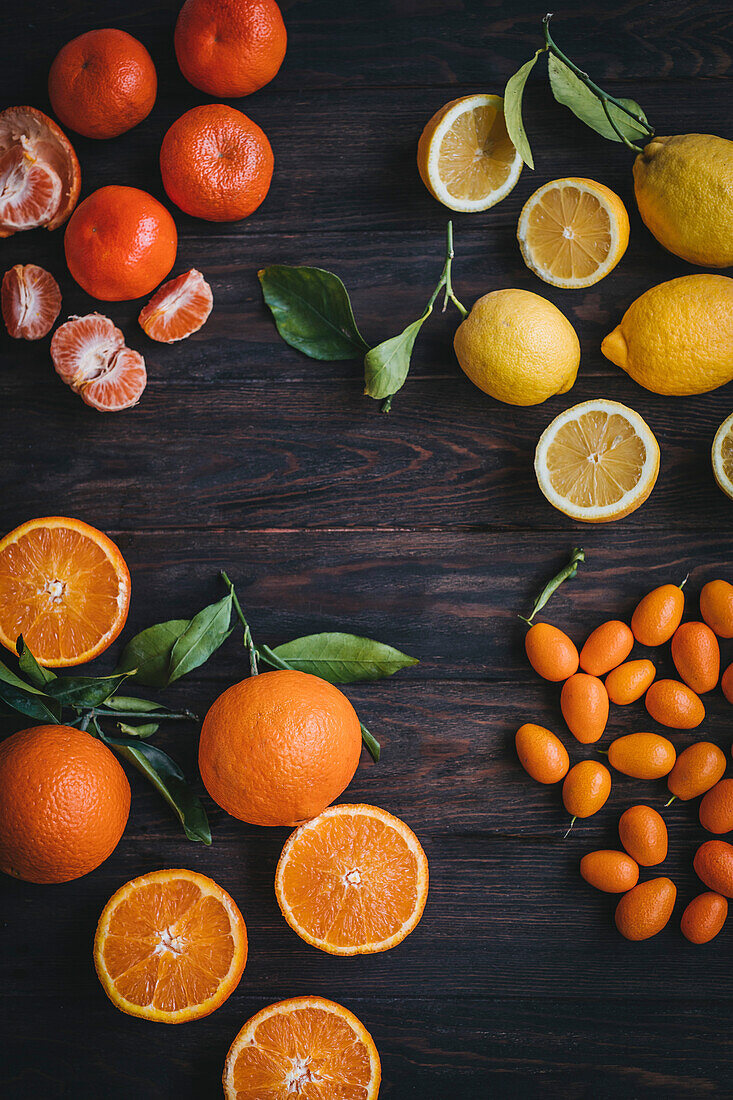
x,y
423,528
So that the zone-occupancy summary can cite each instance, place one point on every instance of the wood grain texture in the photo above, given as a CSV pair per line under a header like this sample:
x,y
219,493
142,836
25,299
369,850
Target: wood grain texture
x,y
423,528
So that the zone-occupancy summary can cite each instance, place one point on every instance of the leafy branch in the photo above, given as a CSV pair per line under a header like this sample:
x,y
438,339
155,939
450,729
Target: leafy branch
x,y
566,573
313,314
618,119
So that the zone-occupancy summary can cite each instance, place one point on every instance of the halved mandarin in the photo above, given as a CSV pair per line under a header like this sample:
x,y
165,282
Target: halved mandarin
x,y
305,1047
573,232
39,171
170,946
31,301
353,881
597,461
65,587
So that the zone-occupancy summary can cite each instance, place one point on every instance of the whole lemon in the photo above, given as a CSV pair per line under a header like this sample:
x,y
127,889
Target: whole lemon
x,y
677,338
684,191
518,347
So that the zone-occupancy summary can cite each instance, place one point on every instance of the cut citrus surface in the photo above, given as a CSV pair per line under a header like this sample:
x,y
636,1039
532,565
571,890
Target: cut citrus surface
x,y
572,232
465,156
65,587
597,461
352,881
90,355
722,455
31,301
170,946
305,1047
178,309
39,172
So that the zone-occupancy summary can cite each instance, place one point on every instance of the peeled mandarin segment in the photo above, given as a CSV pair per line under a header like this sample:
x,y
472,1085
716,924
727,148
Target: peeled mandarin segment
x,y
65,587
674,704
608,645
121,385
628,682
352,881
178,309
39,172
31,301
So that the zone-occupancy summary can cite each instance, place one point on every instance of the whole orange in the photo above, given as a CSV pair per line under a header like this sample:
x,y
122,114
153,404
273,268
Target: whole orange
x,y
102,83
216,163
120,243
64,803
278,748
230,47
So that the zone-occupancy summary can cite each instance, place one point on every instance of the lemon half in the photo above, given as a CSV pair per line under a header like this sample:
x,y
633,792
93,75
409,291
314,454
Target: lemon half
x,y
722,455
597,461
465,156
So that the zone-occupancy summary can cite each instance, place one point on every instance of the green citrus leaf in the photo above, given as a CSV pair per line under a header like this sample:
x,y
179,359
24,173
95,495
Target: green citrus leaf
x,y
30,667
145,730
149,652
513,94
312,311
84,691
204,634
386,366
569,90
343,658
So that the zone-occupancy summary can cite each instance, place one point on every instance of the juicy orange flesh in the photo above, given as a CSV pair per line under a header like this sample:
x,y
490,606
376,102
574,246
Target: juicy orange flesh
x,y
59,590
569,233
476,154
309,1053
168,946
595,459
353,881
726,455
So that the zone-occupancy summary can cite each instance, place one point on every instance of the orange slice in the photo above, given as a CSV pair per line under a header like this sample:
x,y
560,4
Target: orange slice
x,y
352,881
170,947
65,587
573,232
178,309
306,1047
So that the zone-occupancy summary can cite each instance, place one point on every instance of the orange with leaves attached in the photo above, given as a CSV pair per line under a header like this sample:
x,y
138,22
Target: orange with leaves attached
x,y
629,681
646,909
658,615
551,653
541,753
674,704
716,607
644,835
586,788
584,705
697,769
716,808
696,655
704,917
609,871
642,755
608,645
713,863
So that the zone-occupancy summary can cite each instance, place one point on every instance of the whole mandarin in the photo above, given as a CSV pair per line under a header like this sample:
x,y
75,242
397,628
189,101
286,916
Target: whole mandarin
x,y
584,705
713,864
230,48
551,653
658,615
704,917
643,834
541,753
586,788
604,649
696,655
716,808
674,704
629,681
696,770
609,871
646,909
642,755
716,607
726,683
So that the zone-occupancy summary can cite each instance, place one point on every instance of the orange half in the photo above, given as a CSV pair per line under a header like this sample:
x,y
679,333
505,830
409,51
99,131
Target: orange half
x,y
352,881
65,587
170,946
307,1047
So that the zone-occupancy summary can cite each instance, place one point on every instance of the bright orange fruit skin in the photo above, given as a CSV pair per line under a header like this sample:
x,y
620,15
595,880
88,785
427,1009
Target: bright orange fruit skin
x,y
642,755
609,871
643,833
646,909
230,48
541,753
674,704
64,804
102,83
278,748
584,705
608,645
658,615
36,143
120,243
726,683
716,808
713,863
216,163
696,655
704,917
586,788
551,653
628,682
716,607
696,770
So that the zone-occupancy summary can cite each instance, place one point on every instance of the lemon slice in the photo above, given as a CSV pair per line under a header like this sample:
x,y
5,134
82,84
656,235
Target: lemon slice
x,y
597,461
465,156
723,456
572,232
